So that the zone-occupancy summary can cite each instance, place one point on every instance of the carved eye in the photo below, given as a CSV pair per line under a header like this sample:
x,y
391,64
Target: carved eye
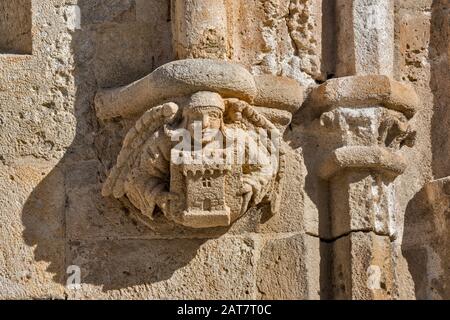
x,y
214,115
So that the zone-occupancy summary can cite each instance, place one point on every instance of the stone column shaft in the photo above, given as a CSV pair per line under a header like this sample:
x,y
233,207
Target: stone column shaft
x,y
363,201
365,37
366,113
362,267
200,29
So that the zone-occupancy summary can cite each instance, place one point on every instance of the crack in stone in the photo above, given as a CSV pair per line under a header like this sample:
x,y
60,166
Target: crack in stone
x,y
331,240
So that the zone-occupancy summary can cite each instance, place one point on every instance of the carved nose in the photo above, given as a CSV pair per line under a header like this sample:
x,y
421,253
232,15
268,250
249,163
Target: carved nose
x,y
205,122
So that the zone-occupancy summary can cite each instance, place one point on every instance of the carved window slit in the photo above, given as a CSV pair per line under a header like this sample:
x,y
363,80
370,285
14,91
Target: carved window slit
x,y
207,182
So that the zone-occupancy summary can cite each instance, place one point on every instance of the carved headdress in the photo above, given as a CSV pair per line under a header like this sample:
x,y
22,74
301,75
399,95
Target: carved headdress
x,y
205,99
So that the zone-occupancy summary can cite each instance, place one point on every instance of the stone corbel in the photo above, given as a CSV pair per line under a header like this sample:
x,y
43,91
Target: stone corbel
x,y
203,84
192,194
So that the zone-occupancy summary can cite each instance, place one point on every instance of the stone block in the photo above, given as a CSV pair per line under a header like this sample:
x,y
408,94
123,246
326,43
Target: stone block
x,y
91,216
289,268
200,29
222,268
109,11
414,39
360,157
126,52
31,231
291,216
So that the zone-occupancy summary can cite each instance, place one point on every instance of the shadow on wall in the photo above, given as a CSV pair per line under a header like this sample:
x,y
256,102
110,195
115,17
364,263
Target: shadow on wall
x,y
65,217
303,136
414,251
425,251
306,135
440,85
425,243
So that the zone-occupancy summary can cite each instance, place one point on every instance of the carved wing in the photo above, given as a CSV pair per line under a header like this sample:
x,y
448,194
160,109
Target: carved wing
x,y
151,121
272,191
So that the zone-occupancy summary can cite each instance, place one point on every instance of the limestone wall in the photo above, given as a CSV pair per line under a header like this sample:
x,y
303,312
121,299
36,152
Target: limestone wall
x,y
55,155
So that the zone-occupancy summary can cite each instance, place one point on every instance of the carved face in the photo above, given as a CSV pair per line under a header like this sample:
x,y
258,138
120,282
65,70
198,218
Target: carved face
x,y
207,120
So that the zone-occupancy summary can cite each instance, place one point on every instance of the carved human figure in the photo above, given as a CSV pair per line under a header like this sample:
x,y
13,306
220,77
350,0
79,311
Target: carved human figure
x,y
143,169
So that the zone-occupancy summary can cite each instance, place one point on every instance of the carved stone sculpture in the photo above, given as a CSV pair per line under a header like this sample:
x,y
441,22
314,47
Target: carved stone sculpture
x,y
205,178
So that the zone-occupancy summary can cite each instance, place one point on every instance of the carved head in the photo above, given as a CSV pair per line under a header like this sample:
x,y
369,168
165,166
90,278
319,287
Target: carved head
x,y
204,113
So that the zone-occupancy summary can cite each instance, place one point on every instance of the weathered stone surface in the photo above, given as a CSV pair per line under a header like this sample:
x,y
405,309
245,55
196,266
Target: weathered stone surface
x,y
278,37
278,93
184,77
365,37
375,158
55,154
32,231
366,116
362,201
90,216
201,181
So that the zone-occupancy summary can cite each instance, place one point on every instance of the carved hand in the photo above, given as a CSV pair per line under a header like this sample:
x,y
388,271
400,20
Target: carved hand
x,y
163,200
247,193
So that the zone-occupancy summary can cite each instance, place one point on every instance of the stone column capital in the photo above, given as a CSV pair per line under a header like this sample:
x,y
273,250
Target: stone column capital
x,y
362,91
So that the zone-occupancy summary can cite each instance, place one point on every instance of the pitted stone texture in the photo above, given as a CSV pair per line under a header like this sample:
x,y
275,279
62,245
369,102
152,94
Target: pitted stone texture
x,y
278,37
47,115
414,39
38,124
305,29
368,127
